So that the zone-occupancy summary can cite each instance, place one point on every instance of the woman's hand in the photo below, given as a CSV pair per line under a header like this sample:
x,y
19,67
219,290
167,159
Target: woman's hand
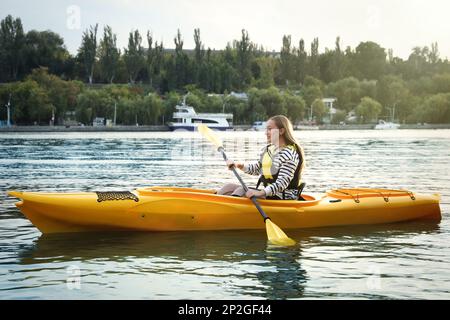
x,y
255,193
231,164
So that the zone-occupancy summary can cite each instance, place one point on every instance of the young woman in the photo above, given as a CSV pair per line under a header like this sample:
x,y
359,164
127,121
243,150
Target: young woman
x,y
279,167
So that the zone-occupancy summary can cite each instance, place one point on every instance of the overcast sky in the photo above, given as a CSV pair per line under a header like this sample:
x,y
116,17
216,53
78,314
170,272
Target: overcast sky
x,y
397,24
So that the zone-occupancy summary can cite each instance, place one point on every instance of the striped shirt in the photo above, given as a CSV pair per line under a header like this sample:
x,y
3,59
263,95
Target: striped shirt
x,y
286,161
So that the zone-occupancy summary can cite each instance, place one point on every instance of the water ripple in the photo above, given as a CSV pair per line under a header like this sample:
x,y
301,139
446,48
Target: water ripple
x,y
397,261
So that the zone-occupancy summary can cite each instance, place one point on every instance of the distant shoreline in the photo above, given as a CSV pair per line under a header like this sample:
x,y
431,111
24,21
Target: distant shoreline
x,y
84,129
166,129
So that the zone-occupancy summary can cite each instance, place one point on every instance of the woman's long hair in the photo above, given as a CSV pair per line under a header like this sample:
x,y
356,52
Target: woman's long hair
x,y
282,122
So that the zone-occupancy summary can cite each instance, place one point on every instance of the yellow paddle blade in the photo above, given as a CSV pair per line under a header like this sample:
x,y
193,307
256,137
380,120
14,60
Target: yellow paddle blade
x,y
210,135
276,235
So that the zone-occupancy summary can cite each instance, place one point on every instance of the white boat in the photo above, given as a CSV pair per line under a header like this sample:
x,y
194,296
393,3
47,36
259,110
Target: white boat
x,y
185,118
306,127
383,125
259,126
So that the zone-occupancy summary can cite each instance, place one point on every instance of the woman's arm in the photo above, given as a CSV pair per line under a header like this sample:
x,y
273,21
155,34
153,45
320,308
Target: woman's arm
x,y
253,168
250,168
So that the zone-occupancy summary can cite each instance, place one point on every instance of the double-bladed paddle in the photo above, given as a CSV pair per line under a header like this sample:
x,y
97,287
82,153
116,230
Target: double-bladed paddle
x,y
274,234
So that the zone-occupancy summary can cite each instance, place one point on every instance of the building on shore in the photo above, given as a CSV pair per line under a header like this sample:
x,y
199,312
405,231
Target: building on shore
x,y
331,111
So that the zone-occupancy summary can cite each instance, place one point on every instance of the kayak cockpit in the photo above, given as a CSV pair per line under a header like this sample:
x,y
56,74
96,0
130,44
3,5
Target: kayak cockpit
x,y
152,191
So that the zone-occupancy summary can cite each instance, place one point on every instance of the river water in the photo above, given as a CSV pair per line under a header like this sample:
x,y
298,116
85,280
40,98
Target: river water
x,y
395,261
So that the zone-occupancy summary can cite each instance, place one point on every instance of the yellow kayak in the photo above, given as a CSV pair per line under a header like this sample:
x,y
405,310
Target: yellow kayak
x,y
175,209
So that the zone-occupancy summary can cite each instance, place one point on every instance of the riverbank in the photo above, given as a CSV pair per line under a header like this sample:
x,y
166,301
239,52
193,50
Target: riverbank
x,y
372,126
84,129
166,128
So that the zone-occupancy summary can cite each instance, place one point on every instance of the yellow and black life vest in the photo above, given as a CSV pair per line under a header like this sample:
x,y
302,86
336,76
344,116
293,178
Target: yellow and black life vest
x,y
270,170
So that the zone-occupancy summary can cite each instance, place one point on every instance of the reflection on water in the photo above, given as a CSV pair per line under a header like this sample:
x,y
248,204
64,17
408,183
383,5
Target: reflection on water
x,y
276,272
408,260
287,279
243,258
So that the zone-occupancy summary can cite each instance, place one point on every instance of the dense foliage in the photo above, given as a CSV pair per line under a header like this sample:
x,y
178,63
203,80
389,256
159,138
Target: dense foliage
x,y
144,81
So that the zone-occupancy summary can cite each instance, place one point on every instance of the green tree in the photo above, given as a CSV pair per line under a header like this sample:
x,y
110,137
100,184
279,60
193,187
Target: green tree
x,y
126,111
88,51
31,103
319,110
45,49
437,109
326,66
12,45
196,100
347,92
406,109
214,103
180,64
368,110
339,117
421,86
199,47
338,64
120,91
295,107
172,99
369,61
94,103
266,69
239,108
256,109
151,109
121,74
441,83
300,63
199,55
417,63
134,56
312,90
272,101
229,76
215,82
368,88
391,90
332,64
433,55
61,95
244,57
313,61
168,75
287,61
108,55
154,60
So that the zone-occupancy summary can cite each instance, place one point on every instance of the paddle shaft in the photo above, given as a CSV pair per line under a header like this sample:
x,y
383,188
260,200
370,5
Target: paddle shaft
x,y
255,202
